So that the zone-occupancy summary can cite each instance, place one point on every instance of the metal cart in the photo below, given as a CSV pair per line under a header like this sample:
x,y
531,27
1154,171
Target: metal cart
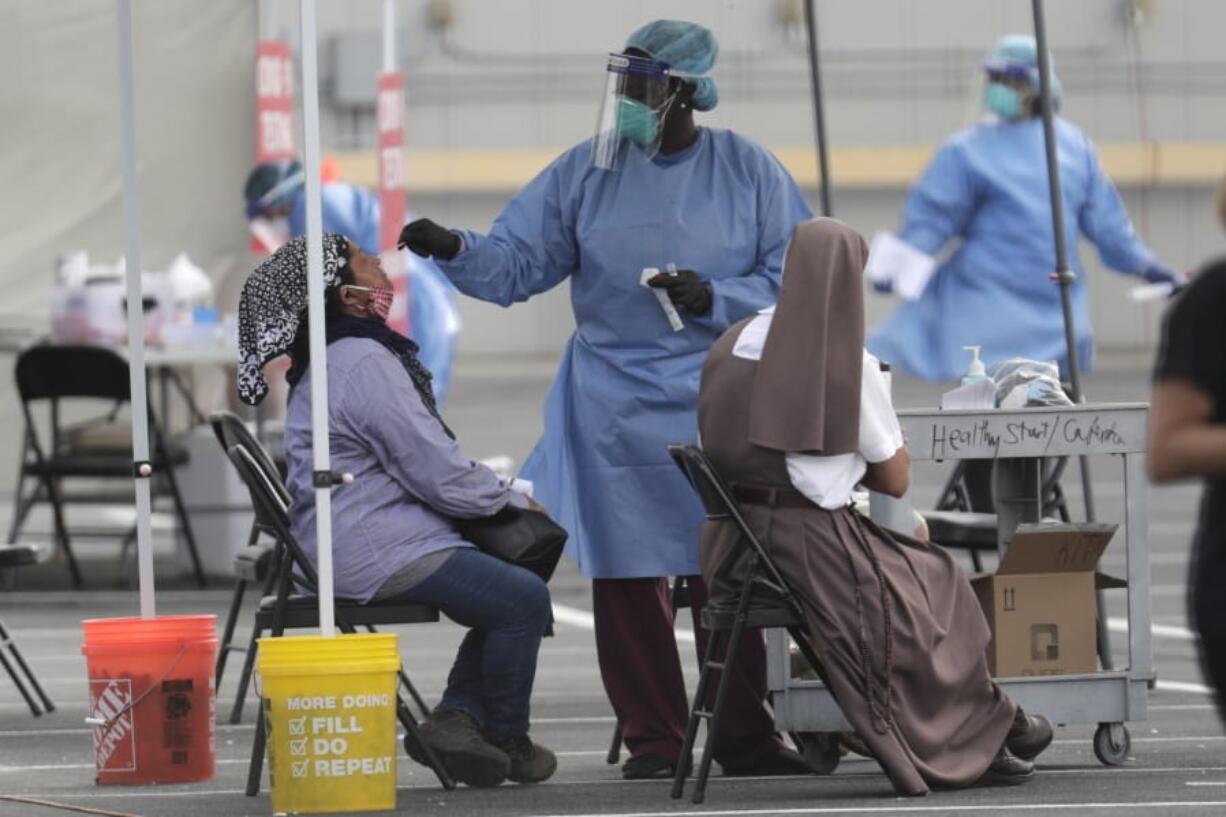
x,y
1019,441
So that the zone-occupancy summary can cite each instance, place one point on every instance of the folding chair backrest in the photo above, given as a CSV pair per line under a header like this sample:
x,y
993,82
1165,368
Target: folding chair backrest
x,y
717,500
711,493
271,512
50,372
230,431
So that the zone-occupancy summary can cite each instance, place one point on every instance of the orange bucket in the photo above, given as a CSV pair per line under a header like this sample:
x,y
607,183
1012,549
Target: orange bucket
x,y
152,698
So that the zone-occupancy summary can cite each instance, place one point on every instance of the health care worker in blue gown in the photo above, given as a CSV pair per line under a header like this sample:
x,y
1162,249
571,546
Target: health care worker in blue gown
x,y
650,190
987,187
276,206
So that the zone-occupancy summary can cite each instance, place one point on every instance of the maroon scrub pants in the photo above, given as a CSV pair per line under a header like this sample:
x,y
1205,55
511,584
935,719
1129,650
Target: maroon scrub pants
x,y
641,670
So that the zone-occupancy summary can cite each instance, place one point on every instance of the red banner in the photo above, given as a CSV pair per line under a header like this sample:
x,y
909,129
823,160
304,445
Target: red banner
x,y
389,123
389,118
274,101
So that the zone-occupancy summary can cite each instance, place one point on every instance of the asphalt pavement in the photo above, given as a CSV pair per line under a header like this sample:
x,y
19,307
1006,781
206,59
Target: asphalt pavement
x,y
1177,764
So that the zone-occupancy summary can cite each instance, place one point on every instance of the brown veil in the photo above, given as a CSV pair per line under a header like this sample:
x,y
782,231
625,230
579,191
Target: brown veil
x,y
806,391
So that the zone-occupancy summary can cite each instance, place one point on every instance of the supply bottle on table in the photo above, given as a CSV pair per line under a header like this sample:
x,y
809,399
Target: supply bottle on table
x,y
976,372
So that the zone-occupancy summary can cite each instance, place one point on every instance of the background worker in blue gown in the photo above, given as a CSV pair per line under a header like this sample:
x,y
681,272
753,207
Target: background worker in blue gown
x,y
987,186
649,190
276,194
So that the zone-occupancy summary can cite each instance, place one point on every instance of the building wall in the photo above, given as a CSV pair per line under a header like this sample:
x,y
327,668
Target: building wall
x,y
527,74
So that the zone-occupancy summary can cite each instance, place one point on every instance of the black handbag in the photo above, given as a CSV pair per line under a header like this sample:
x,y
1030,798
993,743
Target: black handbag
x,y
526,538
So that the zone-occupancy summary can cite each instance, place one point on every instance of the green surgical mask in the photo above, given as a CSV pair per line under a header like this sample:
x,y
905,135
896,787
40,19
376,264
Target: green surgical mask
x,y
636,121
1002,100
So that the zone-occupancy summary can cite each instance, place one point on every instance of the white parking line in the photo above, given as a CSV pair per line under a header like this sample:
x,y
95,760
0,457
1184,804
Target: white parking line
x,y
1182,686
586,753
983,808
576,617
1120,625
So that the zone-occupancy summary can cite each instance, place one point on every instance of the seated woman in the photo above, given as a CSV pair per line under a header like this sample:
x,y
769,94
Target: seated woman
x,y
394,535
794,414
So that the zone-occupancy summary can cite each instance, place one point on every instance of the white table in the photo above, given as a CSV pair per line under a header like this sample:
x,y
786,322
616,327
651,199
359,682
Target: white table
x,y
162,362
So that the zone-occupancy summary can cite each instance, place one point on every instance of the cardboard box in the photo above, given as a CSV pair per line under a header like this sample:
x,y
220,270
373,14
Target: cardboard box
x,y
1040,602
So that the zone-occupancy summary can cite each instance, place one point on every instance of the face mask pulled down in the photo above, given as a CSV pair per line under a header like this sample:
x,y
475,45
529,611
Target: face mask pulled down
x,y
379,303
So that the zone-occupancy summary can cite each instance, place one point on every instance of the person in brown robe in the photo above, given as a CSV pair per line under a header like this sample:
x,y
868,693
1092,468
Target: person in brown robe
x,y
899,633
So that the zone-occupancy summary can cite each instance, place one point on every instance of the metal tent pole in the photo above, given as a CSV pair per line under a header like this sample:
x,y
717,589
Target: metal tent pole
x,y
1064,276
142,468
819,116
1064,279
315,311
389,35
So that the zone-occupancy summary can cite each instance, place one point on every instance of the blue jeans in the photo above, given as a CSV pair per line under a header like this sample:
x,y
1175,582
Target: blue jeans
x,y
508,609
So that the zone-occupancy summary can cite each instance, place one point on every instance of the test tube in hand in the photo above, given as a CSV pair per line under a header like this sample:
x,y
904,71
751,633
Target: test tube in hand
x,y
666,303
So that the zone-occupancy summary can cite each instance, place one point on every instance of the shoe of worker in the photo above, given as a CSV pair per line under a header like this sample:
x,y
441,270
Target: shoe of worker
x,y
1029,735
530,762
1006,770
458,744
821,750
782,763
649,767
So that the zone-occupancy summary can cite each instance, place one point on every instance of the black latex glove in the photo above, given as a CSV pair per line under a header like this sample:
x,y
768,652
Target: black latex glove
x,y
685,289
429,240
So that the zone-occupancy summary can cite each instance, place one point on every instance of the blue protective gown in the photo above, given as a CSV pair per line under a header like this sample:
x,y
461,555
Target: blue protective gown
x,y
354,212
988,187
627,385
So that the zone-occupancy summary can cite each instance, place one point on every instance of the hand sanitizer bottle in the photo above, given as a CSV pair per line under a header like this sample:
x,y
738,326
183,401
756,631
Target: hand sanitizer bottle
x,y
976,371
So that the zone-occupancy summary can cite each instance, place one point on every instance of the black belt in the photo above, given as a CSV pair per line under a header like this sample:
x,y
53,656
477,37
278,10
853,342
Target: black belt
x,y
771,497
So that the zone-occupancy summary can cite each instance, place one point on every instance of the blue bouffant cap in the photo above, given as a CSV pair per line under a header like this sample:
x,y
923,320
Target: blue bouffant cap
x,y
688,48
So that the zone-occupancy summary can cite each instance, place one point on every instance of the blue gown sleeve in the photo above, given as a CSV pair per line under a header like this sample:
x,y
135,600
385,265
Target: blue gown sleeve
x,y
531,247
939,207
781,207
1104,221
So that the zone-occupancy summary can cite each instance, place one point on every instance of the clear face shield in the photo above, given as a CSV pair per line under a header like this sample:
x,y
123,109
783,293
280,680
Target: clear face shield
x,y
636,99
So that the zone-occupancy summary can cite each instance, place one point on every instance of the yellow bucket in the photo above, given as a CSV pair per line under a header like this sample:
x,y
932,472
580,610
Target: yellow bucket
x,y
330,705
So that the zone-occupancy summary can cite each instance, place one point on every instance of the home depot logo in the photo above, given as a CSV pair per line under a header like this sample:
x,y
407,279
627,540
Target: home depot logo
x,y
115,740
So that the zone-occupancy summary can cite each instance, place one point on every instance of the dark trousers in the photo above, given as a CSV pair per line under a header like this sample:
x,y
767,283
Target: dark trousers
x,y
507,609
1207,608
641,670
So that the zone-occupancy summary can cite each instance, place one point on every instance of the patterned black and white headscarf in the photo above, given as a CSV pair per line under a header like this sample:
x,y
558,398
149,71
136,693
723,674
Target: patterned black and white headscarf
x,y
273,300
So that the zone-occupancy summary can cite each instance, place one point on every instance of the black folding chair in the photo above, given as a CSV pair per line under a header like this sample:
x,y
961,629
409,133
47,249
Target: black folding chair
x,y
680,599
765,601
57,374
260,562
256,563
14,663
288,610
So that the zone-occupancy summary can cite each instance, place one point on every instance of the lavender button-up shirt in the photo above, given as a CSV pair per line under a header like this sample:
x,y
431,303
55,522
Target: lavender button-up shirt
x,y
410,478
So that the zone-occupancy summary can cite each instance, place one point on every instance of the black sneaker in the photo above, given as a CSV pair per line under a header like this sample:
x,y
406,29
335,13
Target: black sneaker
x,y
1029,735
1006,770
649,767
530,762
782,763
460,747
